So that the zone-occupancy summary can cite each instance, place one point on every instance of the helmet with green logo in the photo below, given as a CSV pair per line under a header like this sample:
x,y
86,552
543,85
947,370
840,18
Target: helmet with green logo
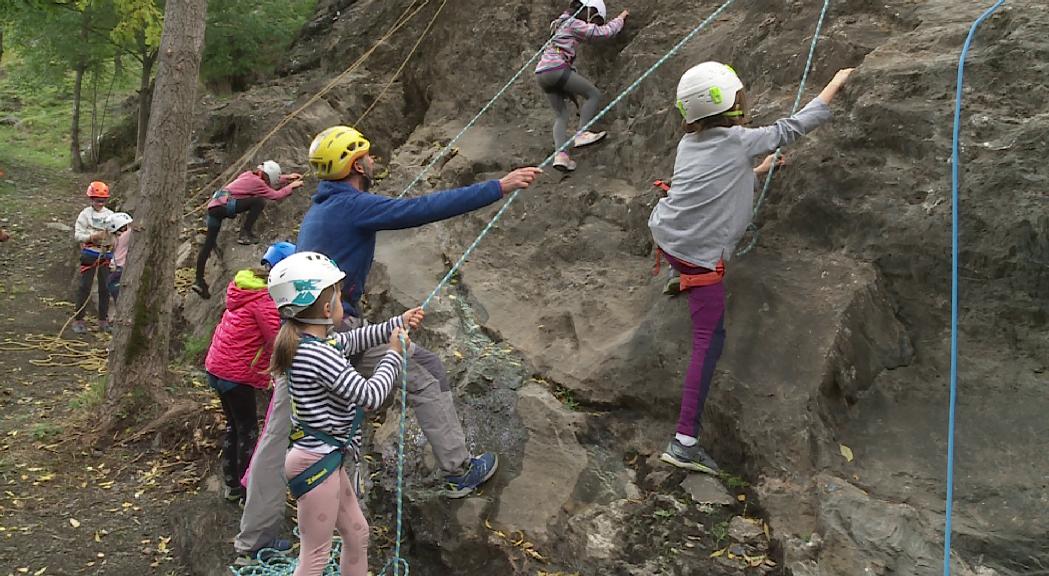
x,y
297,281
706,90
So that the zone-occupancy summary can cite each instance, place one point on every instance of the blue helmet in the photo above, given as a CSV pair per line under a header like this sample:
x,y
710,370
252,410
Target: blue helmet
x,y
277,252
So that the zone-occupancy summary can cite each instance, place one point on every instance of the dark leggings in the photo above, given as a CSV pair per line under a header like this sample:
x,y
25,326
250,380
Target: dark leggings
x,y
84,290
559,86
114,282
242,431
253,206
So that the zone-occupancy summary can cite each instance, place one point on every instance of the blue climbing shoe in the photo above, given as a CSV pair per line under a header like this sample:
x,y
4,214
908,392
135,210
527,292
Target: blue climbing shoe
x,y
276,546
481,469
689,458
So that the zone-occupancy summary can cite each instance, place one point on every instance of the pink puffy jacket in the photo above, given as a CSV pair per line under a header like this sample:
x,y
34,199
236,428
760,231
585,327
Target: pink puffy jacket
x,y
243,341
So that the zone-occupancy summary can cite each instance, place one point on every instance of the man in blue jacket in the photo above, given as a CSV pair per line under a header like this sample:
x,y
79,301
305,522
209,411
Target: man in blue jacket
x,y
342,223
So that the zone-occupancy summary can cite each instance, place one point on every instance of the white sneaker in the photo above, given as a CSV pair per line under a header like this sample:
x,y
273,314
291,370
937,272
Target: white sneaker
x,y
563,162
588,138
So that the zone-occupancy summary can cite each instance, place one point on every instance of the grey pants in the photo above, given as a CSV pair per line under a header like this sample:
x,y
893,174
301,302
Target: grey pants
x,y
561,86
430,397
263,513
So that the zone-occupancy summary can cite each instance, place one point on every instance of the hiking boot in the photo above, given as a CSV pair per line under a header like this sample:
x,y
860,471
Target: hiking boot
x,y
587,138
105,326
563,162
673,286
201,288
79,327
247,238
481,469
233,495
689,458
275,546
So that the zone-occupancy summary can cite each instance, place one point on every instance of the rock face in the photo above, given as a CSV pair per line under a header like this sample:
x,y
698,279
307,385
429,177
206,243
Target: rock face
x,y
568,360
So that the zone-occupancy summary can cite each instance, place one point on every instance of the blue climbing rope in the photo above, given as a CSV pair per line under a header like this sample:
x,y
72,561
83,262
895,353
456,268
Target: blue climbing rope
x,y
437,158
397,561
509,201
955,162
797,103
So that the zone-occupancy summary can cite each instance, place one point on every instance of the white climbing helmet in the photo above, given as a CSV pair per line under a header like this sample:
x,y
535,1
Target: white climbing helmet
x,y
272,171
599,5
118,221
297,281
706,90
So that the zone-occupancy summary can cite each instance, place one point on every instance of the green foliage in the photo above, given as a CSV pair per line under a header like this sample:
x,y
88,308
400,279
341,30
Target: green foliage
x,y
194,348
91,397
720,532
45,431
247,38
138,22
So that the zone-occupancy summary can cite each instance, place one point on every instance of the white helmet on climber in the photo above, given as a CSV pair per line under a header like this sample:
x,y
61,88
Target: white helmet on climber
x,y
706,90
599,5
272,171
297,281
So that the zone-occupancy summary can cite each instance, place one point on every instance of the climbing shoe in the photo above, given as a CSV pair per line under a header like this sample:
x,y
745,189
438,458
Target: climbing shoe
x,y
276,546
79,327
481,469
587,138
247,239
201,289
689,458
673,286
563,163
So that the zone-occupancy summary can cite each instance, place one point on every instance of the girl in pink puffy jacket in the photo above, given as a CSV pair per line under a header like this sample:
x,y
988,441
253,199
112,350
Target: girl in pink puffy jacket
x,y
237,364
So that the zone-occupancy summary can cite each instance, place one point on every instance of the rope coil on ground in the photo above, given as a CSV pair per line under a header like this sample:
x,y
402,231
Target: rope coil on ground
x,y
797,103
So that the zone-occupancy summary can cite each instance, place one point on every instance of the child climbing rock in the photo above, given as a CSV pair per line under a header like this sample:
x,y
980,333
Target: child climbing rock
x,y
697,226
95,253
582,22
248,193
328,399
120,227
237,364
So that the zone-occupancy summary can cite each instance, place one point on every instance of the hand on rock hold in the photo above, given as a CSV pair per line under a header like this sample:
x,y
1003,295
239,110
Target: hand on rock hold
x,y
766,164
835,85
518,179
296,184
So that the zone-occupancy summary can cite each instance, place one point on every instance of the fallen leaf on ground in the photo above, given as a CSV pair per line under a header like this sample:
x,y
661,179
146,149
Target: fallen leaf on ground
x,y
846,452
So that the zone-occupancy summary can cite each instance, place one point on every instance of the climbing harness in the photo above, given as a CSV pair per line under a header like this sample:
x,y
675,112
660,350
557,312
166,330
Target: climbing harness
x,y
510,200
319,471
444,151
691,280
797,103
955,162
401,21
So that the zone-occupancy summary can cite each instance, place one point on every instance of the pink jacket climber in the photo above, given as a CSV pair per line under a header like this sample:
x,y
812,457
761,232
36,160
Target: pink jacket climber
x,y
251,184
561,52
243,341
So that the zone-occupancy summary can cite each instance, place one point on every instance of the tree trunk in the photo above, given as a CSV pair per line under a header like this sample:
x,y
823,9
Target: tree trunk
x,y
145,92
74,135
140,347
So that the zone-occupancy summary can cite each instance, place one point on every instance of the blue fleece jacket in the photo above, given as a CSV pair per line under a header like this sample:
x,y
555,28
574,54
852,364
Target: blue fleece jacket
x,y
342,221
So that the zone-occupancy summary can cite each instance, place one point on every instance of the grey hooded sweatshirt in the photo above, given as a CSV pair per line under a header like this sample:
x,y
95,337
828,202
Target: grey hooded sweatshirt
x,y
710,202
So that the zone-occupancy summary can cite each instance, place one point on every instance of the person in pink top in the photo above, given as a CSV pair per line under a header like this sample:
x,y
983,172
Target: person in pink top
x,y
120,227
582,22
237,364
248,193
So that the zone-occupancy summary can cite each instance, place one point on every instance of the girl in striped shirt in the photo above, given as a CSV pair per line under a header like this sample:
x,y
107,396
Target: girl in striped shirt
x,y
326,393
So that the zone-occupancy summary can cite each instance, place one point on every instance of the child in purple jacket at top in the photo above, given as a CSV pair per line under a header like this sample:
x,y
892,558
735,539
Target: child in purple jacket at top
x,y
248,193
583,21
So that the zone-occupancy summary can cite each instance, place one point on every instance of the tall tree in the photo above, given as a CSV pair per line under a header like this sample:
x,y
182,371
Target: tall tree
x,y
139,356
139,23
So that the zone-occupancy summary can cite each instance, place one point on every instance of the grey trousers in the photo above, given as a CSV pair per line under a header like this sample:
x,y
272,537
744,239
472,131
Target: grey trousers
x,y
263,513
559,86
430,397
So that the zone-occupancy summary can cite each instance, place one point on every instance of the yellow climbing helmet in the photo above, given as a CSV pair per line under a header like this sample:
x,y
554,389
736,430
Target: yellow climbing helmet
x,y
334,151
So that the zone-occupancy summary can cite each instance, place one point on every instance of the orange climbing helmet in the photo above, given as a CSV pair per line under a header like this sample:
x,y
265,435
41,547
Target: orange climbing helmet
x,y
334,151
97,189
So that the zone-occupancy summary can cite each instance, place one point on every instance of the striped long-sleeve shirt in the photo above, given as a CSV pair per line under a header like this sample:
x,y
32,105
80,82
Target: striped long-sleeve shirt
x,y
568,32
326,391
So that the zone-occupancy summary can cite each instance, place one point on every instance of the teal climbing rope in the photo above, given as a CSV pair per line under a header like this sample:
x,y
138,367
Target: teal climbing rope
x,y
797,103
397,561
955,162
440,155
510,200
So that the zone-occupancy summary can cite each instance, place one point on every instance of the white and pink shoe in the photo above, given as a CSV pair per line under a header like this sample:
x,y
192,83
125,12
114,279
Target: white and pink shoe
x,y
563,162
587,138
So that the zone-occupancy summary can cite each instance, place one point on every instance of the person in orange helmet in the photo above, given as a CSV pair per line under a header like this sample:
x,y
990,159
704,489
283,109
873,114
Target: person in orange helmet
x,y
96,245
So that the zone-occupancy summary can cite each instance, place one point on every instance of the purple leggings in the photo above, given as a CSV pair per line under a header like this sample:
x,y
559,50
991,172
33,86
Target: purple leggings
x,y
706,304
